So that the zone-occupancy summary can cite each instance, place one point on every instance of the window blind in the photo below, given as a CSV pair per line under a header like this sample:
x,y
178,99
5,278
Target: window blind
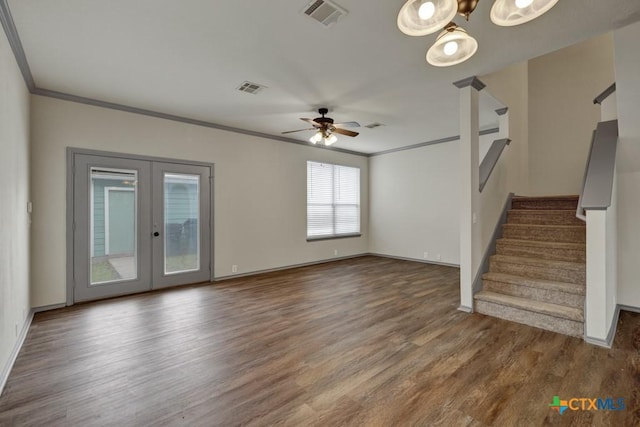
x,y
333,200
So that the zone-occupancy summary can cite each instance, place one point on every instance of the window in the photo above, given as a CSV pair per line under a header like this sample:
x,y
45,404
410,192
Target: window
x,y
333,201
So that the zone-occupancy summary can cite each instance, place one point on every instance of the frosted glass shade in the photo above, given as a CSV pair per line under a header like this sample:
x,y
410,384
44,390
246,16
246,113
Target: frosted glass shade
x,y
422,17
508,13
452,47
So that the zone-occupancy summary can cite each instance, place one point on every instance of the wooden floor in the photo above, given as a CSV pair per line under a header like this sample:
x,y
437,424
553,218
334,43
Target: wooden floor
x,y
368,341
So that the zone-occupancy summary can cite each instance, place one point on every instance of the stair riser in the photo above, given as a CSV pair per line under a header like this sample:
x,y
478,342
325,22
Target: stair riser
x,y
538,294
577,276
543,321
544,204
544,234
552,254
543,218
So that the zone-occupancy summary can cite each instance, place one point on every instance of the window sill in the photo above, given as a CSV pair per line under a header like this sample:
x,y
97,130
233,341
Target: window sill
x,y
342,236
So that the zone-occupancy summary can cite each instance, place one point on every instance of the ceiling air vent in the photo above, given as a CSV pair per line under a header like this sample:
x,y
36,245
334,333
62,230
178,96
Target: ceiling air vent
x,y
374,125
325,12
252,88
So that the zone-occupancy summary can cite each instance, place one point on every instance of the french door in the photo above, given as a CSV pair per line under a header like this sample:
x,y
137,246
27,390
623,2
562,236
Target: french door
x,y
138,225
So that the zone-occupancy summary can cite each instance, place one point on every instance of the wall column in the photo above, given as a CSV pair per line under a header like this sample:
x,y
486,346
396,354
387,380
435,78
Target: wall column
x,y
470,251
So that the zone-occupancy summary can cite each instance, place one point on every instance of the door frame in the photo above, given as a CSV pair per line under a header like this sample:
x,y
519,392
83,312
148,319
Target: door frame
x,y
70,203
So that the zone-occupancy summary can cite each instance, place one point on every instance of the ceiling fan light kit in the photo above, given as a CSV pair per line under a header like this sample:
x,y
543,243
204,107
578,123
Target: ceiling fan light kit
x,y
325,128
454,45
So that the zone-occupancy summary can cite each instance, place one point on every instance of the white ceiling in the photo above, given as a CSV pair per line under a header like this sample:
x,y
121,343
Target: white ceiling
x,y
188,57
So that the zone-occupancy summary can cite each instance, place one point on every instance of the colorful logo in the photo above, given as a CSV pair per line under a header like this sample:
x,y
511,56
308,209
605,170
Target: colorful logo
x,y
587,404
559,405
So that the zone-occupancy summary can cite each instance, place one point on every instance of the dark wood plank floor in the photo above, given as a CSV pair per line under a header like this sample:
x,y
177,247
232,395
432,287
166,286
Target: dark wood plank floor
x,y
368,341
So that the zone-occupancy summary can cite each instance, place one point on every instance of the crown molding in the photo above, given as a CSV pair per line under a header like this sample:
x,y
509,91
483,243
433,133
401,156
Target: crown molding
x,y
472,81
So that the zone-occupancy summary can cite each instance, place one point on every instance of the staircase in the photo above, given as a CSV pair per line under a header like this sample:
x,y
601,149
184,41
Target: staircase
x,y
538,275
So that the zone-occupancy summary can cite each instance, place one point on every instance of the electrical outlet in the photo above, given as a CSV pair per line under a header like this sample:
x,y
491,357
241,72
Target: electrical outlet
x,y
475,218
234,268
426,255
335,252
16,330
439,257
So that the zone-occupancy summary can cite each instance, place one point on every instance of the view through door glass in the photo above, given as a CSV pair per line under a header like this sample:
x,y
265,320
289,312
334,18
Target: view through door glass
x,y
113,225
181,223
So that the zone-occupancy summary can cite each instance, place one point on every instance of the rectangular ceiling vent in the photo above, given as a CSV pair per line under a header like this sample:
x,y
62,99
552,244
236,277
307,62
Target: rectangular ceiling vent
x,y
374,125
252,88
325,12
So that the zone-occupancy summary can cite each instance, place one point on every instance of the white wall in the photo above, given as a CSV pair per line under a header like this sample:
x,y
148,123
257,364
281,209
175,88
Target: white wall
x,y
414,207
260,188
627,64
14,195
562,116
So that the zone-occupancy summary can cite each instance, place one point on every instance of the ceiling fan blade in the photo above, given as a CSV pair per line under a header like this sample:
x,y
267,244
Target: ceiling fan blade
x,y
311,122
299,130
348,124
345,132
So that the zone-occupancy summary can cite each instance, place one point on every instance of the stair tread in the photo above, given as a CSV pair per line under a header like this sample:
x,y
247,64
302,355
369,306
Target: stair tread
x,y
536,198
570,288
539,262
555,310
542,243
542,211
554,226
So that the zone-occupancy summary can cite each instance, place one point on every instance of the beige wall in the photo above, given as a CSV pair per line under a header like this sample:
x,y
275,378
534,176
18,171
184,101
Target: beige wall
x,y
259,190
562,116
510,86
415,203
14,195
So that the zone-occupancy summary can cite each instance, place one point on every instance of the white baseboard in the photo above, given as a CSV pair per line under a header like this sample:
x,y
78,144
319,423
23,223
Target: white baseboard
x,y
401,258
6,370
287,267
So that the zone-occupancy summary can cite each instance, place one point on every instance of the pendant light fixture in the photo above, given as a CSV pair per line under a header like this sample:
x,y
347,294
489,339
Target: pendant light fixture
x,y
422,17
508,13
454,45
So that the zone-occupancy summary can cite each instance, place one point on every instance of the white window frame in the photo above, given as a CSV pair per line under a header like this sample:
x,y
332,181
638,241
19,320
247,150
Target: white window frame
x,y
334,203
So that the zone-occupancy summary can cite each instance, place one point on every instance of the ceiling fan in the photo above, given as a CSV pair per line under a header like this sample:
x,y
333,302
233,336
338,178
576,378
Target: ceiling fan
x,y
325,128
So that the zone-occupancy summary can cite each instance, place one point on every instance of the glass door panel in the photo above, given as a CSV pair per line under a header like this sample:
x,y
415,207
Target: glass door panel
x,y
113,196
112,233
181,223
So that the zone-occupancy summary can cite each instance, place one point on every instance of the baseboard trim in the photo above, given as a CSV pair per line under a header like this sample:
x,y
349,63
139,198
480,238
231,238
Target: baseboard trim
x,y
465,309
286,267
16,350
608,342
422,261
50,307
491,248
623,307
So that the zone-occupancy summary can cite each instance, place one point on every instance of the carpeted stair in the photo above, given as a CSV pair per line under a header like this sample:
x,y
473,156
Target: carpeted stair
x,y
538,274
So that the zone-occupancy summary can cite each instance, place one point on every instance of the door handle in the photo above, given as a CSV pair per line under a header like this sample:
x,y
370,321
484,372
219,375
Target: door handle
x,y
156,234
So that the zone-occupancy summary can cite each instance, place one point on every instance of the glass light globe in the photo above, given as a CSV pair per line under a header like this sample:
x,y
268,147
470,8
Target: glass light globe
x,y
317,137
426,10
420,17
330,140
508,13
450,48
523,3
